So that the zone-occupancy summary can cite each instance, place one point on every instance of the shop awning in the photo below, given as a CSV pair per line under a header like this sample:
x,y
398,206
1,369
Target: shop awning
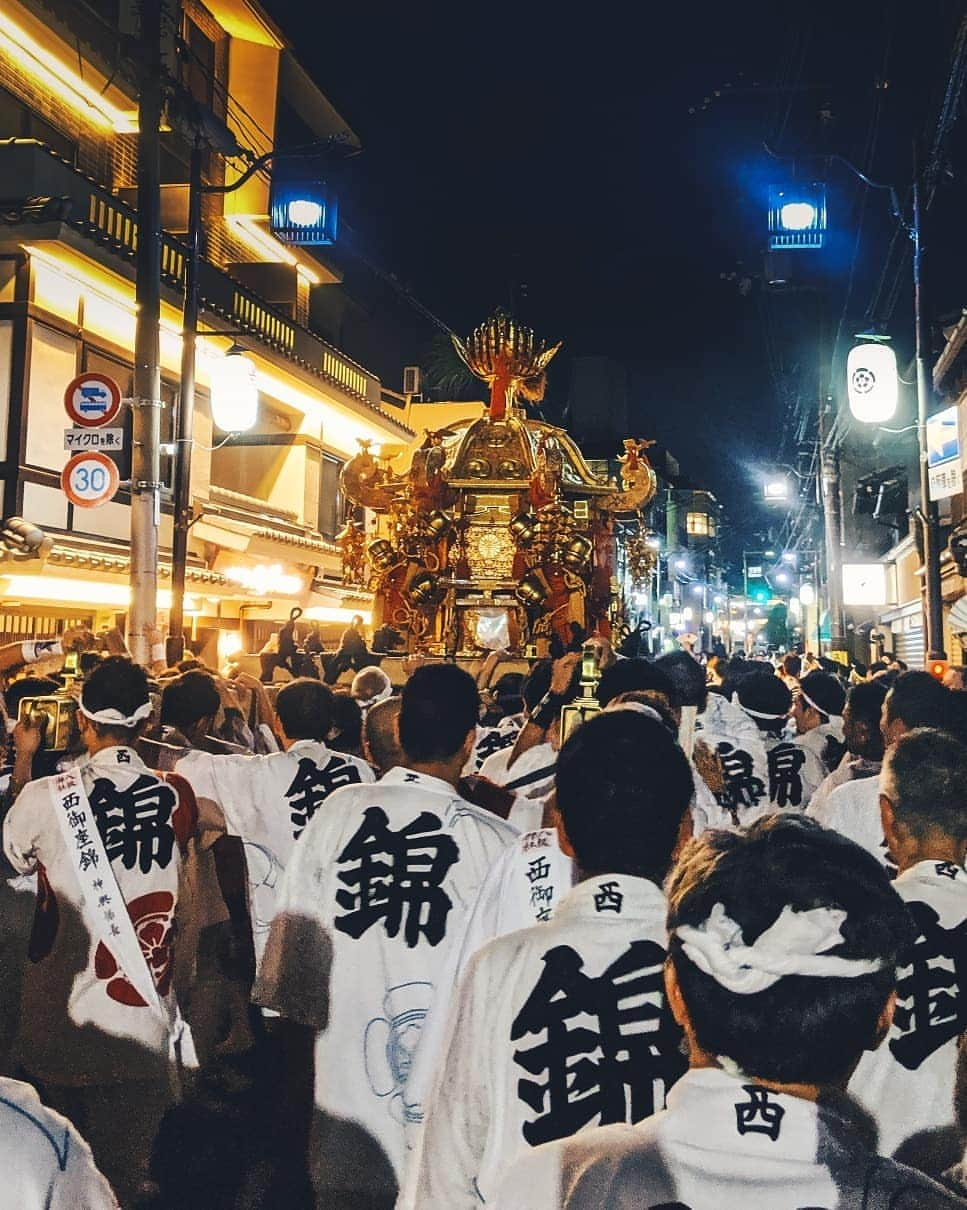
x,y
263,541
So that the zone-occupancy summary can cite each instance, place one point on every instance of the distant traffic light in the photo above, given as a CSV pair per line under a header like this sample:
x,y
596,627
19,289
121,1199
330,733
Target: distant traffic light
x,y
938,669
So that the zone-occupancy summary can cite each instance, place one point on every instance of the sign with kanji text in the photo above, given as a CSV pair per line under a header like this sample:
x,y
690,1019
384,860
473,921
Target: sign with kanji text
x,y
945,465
92,400
77,440
89,479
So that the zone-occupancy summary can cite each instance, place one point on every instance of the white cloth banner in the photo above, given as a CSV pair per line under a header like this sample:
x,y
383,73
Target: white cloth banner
x,y
109,916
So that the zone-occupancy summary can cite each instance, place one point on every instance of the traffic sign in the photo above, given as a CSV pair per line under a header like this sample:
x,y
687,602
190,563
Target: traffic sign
x,y
89,479
92,400
76,440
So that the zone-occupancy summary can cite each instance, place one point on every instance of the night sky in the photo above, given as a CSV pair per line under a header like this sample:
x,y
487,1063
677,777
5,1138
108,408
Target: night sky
x,y
601,169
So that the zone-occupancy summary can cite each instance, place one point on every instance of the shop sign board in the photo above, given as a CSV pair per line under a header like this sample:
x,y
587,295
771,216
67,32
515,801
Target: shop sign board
x,y
945,466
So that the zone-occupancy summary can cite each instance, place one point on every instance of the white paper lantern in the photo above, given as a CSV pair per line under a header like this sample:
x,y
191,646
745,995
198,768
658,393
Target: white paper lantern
x,y
871,377
234,392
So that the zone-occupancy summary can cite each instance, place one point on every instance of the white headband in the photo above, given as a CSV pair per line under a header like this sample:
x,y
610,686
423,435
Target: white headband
x,y
761,713
366,703
114,718
795,944
638,707
819,710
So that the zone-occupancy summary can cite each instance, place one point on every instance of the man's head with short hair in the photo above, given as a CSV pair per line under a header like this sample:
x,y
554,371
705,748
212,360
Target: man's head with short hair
x,y
820,697
116,684
955,677
766,699
803,1029
915,700
370,685
861,719
688,678
438,714
507,693
346,732
623,788
791,664
923,797
28,686
634,676
380,739
188,700
304,709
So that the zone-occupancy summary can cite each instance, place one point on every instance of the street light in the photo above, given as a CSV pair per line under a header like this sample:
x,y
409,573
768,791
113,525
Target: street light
x,y
234,391
797,216
776,491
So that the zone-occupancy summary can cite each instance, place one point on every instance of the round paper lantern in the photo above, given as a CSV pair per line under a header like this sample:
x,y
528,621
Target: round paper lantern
x,y
871,378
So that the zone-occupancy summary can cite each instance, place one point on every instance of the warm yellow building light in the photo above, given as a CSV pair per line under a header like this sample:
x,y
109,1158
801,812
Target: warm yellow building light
x,y
61,591
251,234
56,77
330,613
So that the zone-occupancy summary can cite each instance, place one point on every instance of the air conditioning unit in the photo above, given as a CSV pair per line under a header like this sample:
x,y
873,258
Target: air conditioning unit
x,y
412,380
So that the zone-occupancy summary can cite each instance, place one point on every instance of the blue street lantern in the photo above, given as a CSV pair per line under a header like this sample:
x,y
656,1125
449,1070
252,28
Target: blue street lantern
x,y
302,212
797,216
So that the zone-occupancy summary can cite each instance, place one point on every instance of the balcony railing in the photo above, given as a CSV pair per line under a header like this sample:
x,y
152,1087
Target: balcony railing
x,y
112,223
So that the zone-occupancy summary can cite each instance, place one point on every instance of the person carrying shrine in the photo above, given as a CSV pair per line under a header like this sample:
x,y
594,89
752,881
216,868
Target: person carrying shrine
x,y
784,941
369,907
100,1028
580,1034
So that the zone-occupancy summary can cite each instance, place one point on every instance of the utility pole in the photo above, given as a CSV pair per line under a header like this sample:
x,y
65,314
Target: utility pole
x,y
928,515
146,420
830,490
186,412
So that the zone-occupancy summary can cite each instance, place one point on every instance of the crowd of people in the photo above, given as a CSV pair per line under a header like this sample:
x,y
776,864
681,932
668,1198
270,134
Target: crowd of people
x,y
359,946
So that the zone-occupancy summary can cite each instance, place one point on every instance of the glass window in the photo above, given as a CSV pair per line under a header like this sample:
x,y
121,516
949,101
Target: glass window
x,y
699,524
53,363
17,120
199,63
330,498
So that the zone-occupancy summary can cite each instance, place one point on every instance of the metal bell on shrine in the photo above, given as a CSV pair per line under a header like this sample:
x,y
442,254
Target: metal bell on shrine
x,y
523,526
531,590
382,555
437,524
424,589
576,552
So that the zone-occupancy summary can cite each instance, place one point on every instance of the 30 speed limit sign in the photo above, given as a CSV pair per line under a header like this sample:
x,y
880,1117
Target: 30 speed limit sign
x,y
89,479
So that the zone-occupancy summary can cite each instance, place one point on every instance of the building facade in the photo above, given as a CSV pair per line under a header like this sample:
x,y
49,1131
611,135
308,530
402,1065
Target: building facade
x,y
266,505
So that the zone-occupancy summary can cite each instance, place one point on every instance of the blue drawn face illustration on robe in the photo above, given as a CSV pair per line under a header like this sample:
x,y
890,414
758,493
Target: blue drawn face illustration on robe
x,y
390,1043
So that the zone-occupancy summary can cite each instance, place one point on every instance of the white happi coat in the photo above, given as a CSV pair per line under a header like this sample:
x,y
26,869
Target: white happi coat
x,y
530,778
46,1164
908,1083
83,1022
723,1143
850,768
522,888
736,740
577,1035
493,739
377,890
794,773
853,810
267,802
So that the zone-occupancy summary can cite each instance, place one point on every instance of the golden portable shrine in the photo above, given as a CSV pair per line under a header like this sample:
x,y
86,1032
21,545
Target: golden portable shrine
x,y
498,533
